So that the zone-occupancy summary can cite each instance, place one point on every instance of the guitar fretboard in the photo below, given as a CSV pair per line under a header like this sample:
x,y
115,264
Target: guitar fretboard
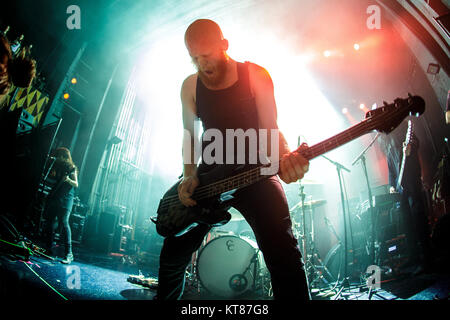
x,y
254,175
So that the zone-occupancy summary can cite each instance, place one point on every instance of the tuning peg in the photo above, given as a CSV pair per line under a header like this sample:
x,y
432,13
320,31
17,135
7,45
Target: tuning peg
x,y
385,103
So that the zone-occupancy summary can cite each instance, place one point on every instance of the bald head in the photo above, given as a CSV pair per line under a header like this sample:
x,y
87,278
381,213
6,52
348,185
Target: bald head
x,y
207,48
203,32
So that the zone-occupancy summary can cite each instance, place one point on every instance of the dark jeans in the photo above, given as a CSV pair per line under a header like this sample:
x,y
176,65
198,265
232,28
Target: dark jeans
x,y
265,208
56,215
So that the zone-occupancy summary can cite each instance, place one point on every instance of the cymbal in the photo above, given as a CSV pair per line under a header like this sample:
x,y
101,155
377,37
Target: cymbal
x,y
235,215
309,204
307,181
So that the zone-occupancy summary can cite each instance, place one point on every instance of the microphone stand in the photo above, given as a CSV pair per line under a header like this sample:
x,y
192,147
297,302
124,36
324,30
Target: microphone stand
x,y
340,167
372,211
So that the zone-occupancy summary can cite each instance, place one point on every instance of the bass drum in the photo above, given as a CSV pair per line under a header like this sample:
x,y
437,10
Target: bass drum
x,y
334,261
226,266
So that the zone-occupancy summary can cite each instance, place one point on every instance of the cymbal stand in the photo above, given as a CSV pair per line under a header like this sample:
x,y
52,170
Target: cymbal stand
x,y
345,282
372,210
311,256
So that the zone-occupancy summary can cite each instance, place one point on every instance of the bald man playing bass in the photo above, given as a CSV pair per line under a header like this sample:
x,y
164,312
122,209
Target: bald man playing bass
x,y
226,94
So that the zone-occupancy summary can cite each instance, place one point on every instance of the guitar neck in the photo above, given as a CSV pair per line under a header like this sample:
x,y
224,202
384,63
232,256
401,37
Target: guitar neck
x,y
336,141
254,175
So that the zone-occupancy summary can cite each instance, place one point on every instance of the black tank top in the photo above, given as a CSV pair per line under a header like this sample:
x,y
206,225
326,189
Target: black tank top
x,y
230,108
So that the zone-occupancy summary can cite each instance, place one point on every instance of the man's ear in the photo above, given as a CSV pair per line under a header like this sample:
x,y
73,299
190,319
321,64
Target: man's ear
x,y
225,44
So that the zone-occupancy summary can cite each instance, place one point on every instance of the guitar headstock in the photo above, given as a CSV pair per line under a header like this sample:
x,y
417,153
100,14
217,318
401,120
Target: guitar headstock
x,y
388,116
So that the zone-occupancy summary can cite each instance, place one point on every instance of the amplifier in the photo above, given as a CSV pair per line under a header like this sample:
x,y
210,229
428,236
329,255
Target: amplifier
x,y
387,199
26,122
394,251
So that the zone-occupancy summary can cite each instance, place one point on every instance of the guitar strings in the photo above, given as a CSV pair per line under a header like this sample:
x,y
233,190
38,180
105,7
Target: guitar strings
x,y
205,191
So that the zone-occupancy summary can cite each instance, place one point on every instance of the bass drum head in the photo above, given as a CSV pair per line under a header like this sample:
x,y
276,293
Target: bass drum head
x,y
334,261
226,265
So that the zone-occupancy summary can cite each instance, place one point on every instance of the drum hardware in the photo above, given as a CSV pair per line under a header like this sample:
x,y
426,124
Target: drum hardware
x,y
191,271
238,282
307,181
309,204
333,259
362,157
339,167
314,267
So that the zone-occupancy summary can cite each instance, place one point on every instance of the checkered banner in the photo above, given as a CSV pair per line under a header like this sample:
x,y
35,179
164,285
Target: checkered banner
x,y
32,100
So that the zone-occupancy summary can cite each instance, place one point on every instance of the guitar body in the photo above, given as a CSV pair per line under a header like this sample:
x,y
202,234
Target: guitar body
x,y
175,219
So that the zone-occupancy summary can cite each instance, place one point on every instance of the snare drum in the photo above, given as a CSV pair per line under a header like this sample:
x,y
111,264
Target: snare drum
x,y
228,266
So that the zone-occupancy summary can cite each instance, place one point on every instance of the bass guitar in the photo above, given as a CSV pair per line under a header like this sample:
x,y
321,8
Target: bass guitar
x,y
174,219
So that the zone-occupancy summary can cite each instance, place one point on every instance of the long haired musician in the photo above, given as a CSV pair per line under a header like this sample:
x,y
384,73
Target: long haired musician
x,y
59,204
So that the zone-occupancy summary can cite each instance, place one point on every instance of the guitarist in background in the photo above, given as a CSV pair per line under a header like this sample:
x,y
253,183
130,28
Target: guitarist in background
x,y
60,199
412,203
225,94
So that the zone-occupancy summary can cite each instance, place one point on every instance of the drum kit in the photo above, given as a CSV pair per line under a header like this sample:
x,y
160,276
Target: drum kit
x,y
231,266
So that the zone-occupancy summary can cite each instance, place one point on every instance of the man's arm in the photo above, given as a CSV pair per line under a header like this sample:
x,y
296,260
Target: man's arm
x,y
293,166
190,181
189,116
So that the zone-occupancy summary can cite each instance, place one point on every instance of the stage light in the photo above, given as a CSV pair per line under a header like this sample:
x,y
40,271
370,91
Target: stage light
x,y
374,106
66,96
356,46
362,106
327,53
344,110
433,68
73,81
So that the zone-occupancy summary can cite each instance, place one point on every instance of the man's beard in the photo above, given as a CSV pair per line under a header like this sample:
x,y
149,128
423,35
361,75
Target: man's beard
x,y
219,74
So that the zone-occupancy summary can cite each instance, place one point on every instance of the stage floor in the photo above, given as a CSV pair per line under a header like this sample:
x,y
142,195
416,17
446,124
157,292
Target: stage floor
x,y
97,276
